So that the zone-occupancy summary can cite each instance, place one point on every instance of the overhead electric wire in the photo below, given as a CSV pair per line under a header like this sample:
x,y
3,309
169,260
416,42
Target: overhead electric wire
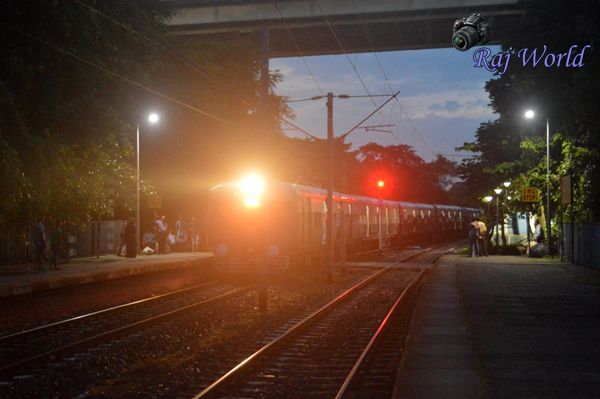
x,y
301,130
108,71
341,46
415,130
185,60
298,49
343,136
190,63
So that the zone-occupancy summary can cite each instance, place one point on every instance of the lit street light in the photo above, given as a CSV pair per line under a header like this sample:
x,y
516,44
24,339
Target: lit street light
x,y
497,191
487,199
152,119
529,114
507,185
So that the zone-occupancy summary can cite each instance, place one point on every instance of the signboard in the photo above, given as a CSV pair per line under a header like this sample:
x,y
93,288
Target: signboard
x,y
565,190
154,201
530,194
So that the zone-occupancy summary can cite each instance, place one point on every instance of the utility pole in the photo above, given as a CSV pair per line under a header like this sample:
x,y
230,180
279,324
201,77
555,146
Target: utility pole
x,y
264,118
330,226
344,214
330,170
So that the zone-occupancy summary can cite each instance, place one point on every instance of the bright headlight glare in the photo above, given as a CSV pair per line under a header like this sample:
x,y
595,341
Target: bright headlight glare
x,y
251,202
252,185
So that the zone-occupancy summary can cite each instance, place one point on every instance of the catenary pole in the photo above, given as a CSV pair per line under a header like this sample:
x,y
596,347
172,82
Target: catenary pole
x,y
330,172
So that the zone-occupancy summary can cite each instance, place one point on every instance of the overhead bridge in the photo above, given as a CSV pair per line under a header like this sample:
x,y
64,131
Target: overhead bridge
x,y
311,27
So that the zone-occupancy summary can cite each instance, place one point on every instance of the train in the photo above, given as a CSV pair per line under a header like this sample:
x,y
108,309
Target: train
x,y
285,224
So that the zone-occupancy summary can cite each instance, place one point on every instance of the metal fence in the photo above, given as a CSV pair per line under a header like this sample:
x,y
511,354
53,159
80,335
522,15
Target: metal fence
x,y
583,246
95,238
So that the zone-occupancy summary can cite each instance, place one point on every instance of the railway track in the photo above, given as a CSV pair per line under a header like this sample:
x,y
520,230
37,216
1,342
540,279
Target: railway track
x,y
326,353
31,349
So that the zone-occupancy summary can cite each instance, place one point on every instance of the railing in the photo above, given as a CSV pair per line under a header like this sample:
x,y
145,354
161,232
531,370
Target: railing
x,y
95,238
583,246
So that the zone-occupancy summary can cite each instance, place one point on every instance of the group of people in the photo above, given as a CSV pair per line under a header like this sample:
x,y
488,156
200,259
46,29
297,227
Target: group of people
x,y
478,238
164,239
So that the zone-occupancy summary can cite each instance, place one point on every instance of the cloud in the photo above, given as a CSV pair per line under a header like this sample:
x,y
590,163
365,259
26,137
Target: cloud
x,y
441,92
451,106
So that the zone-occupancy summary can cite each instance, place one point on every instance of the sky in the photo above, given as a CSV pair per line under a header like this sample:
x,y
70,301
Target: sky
x,y
440,91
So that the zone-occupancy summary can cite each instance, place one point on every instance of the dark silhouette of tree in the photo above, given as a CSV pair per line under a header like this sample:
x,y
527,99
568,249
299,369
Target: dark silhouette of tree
x,y
511,148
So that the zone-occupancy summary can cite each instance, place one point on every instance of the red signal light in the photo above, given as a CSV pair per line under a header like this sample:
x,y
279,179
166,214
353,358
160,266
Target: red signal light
x,y
380,183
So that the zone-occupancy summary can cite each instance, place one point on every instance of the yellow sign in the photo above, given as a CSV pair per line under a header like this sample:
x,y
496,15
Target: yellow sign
x,y
530,194
154,201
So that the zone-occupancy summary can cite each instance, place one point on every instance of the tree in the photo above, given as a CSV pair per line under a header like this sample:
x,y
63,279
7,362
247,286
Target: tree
x,y
64,129
408,177
508,148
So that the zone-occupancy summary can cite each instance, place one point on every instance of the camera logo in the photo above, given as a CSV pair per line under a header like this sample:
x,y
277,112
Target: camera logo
x,y
474,30
471,31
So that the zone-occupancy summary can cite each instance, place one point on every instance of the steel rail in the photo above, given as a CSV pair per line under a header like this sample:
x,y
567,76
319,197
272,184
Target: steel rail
x,y
237,370
90,341
377,335
45,327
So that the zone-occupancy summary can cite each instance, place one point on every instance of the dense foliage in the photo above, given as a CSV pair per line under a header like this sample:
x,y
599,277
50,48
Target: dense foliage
x,y
75,79
65,140
512,148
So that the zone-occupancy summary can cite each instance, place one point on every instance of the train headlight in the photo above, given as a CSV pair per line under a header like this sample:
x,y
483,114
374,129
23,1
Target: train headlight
x,y
273,251
251,201
221,250
252,187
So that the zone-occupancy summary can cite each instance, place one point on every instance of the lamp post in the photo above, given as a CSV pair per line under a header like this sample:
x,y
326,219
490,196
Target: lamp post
x,y
152,119
506,184
530,114
497,191
487,199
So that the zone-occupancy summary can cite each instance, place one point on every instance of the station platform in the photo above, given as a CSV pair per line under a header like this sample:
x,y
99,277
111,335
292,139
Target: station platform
x,y
25,278
504,327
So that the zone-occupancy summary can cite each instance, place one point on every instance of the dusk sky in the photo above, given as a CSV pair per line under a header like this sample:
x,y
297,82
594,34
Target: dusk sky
x,y
441,92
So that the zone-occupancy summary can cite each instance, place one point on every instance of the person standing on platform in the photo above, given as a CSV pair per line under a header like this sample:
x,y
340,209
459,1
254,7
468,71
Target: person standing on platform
x,y
122,238
180,233
129,237
482,238
161,233
538,233
39,242
473,234
194,234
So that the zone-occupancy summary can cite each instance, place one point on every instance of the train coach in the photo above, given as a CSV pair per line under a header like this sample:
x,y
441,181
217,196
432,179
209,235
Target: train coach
x,y
286,223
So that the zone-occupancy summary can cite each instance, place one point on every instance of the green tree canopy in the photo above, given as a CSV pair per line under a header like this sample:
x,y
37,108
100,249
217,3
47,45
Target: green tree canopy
x,y
511,148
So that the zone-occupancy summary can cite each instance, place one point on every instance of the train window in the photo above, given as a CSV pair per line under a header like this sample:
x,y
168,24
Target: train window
x,y
368,221
387,222
324,215
307,220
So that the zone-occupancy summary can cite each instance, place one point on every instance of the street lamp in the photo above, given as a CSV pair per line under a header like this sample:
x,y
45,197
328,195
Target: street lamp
x,y
497,191
152,119
529,114
487,199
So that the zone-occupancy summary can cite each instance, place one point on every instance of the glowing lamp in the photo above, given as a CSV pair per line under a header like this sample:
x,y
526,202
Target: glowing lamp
x,y
497,190
153,118
251,201
488,198
506,184
380,183
529,114
252,185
